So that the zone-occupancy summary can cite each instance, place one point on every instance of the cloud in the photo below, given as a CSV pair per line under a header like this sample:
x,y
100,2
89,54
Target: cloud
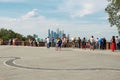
x,y
87,9
35,23
30,23
81,8
32,14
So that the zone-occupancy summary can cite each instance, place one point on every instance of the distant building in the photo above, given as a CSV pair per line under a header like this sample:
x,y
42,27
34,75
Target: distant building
x,y
48,32
35,36
68,36
53,35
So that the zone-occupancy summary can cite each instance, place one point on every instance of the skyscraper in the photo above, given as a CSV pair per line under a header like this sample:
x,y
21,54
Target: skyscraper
x,y
54,35
48,32
51,34
58,32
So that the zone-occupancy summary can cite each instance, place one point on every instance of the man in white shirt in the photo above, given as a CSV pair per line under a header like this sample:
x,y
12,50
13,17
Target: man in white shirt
x,y
92,43
48,42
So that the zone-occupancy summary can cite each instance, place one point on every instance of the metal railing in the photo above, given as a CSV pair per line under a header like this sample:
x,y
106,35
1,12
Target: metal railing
x,y
43,44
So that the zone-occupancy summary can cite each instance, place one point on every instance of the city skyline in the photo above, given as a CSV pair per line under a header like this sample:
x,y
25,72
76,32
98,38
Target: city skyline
x,y
76,17
57,34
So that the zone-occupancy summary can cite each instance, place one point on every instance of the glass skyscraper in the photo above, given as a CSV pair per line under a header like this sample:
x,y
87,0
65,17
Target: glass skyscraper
x,y
48,32
54,35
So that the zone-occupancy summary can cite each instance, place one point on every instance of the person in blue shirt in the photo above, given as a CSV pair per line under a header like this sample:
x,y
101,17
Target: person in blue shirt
x,y
58,44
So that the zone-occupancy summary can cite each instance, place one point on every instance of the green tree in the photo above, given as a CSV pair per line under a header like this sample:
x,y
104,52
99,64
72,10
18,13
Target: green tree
x,y
30,37
113,10
9,34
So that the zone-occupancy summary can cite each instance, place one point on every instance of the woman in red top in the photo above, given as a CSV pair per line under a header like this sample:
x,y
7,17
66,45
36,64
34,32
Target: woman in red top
x,y
113,44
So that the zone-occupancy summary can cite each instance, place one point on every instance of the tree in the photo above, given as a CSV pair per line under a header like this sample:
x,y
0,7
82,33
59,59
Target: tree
x,y
30,37
113,10
9,34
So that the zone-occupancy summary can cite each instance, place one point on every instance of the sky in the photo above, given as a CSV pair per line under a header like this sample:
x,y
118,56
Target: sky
x,y
82,18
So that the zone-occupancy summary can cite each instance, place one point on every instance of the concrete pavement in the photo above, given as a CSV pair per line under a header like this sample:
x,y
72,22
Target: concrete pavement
x,y
40,63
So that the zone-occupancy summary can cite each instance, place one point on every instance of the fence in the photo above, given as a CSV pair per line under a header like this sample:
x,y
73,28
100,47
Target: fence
x,y
42,44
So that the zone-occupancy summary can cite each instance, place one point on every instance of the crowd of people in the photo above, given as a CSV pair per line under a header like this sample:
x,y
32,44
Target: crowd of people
x,y
91,43
58,43
34,42
99,43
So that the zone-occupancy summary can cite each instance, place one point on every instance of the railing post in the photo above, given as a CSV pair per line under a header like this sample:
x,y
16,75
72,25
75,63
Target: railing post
x,y
23,43
108,45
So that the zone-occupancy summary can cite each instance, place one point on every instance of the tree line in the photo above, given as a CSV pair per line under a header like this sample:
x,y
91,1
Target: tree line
x,y
6,34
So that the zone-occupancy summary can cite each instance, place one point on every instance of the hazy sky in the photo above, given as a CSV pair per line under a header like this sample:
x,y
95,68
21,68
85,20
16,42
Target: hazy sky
x,y
75,17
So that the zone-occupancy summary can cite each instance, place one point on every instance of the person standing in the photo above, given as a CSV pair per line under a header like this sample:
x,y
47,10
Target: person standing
x,y
48,42
58,44
113,44
73,42
30,42
92,43
10,42
53,43
79,42
63,42
104,43
117,43
100,43
84,43
97,43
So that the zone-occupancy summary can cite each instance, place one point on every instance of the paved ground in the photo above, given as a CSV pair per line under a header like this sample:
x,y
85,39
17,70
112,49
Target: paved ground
x,y
32,63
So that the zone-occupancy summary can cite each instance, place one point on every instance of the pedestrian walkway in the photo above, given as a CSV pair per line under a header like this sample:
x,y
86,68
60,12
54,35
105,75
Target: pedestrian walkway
x,y
41,63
